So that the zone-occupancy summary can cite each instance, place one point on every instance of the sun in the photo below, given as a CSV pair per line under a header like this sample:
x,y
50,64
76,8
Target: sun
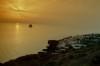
x,y
17,5
21,10
16,9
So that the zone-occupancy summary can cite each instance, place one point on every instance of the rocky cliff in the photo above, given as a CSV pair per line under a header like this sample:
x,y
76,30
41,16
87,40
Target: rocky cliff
x,y
80,50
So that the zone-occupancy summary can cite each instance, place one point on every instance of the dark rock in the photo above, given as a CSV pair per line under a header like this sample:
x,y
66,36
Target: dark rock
x,y
1,64
54,56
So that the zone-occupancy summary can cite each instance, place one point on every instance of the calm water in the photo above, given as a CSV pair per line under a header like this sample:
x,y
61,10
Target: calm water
x,y
18,39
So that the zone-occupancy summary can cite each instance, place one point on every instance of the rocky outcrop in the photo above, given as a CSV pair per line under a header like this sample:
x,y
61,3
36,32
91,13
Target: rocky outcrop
x,y
1,64
80,50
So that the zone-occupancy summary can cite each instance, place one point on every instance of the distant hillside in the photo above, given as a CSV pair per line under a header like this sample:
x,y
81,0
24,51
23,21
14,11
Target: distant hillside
x,y
80,50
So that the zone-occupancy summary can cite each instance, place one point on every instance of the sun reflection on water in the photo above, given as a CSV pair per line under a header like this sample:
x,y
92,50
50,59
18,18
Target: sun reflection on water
x,y
17,27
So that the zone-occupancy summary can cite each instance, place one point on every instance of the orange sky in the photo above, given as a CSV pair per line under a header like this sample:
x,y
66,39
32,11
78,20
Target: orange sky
x,y
49,11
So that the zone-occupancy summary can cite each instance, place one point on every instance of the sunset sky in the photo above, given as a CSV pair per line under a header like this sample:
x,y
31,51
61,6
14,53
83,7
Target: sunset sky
x,y
51,19
66,12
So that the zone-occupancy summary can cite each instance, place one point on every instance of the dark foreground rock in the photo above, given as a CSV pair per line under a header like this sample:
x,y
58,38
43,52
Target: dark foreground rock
x,y
1,64
81,50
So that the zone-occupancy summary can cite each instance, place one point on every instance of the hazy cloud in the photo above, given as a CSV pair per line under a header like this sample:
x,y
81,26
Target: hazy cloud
x,y
49,11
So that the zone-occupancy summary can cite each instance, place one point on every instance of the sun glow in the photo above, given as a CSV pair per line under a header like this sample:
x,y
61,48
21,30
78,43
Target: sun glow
x,y
17,9
17,5
23,10
17,27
